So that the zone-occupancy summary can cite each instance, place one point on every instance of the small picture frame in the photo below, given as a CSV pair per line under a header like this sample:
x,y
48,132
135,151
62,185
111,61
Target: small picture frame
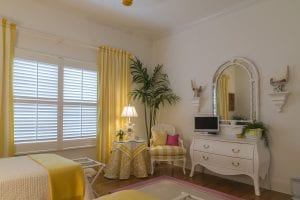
x,y
231,101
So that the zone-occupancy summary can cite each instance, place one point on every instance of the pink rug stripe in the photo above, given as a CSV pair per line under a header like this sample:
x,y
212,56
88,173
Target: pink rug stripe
x,y
139,185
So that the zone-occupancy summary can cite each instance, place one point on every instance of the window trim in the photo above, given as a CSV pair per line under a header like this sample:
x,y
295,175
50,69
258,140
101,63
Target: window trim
x,y
59,144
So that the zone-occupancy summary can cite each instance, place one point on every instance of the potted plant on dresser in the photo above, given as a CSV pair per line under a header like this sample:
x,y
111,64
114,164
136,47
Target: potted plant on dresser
x,y
256,130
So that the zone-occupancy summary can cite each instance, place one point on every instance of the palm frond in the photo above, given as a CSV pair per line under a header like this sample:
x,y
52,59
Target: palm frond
x,y
153,91
138,71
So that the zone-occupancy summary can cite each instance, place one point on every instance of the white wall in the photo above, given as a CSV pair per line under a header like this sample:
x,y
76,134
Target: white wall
x,y
268,33
38,15
53,31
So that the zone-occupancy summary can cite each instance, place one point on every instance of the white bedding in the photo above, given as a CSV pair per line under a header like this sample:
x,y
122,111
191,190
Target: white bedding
x,y
21,178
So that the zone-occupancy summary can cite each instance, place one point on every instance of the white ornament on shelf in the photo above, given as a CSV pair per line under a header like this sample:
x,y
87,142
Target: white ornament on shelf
x,y
279,99
197,93
279,85
196,89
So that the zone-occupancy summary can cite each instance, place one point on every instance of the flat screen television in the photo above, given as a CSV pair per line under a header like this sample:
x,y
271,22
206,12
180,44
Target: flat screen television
x,y
209,124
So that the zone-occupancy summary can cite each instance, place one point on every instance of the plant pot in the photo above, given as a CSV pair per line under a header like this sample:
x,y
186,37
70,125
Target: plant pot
x,y
253,133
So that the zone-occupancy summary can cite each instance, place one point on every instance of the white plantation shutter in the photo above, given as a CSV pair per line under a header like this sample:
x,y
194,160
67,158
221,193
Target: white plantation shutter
x,y
80,103
89,109
89,115
35,101
46,93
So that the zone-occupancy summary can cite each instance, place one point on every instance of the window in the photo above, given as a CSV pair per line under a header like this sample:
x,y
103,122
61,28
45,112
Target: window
x,y
80,103
53,103
35,101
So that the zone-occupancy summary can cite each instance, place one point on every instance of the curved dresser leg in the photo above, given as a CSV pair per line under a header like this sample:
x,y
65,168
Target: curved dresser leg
x,y
256,185
269,181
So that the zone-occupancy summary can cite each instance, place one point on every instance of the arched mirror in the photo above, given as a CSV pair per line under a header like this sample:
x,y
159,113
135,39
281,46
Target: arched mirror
x,y
235,91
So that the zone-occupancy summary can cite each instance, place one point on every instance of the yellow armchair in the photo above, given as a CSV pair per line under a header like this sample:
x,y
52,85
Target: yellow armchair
x,y
165,152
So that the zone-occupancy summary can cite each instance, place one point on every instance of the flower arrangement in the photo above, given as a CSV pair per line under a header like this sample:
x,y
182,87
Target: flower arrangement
x,y
120,134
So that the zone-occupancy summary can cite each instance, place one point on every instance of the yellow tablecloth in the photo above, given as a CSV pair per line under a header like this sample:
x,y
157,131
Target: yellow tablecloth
x,y
128,158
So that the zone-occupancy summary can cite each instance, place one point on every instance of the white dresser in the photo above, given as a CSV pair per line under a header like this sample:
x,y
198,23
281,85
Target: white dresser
x,y
228,155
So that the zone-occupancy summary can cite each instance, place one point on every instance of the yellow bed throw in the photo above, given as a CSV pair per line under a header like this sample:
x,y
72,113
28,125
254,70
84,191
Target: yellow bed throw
x,y
66,176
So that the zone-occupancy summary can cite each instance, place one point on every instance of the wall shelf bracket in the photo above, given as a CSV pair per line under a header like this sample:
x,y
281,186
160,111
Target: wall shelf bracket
x,y
279,99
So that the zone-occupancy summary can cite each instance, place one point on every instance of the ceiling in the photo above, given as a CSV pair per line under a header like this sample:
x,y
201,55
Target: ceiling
x,y
150,17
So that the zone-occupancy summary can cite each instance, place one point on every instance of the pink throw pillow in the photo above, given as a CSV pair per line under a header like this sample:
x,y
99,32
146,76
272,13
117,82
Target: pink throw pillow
x,y
172,140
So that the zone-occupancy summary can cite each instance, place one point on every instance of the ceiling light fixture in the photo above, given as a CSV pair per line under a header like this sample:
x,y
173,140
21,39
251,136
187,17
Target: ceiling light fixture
x,y
127,2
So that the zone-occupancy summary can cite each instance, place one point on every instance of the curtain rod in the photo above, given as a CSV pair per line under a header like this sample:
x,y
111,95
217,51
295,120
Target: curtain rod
x,y
51,36
61,39
58,38
56,56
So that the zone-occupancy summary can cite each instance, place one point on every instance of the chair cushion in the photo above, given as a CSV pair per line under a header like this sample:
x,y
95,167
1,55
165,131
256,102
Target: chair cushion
x,y
167,151
159,137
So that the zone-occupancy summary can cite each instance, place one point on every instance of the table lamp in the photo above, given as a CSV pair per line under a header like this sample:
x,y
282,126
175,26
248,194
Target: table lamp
x,y
129,111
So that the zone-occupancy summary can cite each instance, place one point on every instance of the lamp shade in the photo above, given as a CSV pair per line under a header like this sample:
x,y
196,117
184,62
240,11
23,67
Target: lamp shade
x,y
129,111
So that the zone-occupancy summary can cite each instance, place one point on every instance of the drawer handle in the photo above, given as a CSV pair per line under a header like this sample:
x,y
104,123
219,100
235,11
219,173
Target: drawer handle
x,y
205,157
235,150
206,146
236,164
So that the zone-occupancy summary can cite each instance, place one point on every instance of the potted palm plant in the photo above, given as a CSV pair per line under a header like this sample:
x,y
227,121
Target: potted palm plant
x,y
256,129
153,91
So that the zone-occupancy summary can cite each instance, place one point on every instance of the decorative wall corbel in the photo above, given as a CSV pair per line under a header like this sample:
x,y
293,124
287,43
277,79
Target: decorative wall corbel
x,y
197,92
279,95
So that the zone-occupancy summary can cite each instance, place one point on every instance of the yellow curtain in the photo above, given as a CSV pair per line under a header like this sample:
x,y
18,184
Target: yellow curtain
x,y
7,45
222,95
113,90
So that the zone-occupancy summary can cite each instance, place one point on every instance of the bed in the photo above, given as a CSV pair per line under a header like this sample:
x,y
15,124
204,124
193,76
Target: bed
x,y
23,178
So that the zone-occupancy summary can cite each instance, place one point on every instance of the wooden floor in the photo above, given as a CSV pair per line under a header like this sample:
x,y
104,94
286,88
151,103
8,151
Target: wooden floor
x,y
105,186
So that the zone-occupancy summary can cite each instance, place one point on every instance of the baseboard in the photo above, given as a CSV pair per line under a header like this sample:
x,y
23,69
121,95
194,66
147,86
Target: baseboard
x,y
281,186
276,185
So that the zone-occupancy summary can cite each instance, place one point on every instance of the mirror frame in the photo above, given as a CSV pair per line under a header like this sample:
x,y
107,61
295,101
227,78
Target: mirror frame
x,y
254,84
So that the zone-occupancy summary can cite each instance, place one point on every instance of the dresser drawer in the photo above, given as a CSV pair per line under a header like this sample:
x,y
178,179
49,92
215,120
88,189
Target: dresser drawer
x,y
238,164
239,150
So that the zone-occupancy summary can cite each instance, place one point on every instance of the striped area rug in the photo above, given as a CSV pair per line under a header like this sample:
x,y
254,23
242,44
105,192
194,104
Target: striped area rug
x,y
169,188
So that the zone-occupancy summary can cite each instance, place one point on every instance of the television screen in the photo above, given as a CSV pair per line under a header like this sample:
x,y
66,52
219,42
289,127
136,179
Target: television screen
x,y
208,124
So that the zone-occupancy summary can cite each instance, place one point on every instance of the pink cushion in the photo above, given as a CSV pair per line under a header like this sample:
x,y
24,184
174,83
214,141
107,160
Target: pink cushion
x,y
172,140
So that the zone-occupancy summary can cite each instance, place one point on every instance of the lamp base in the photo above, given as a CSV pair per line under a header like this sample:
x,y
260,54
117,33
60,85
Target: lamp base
x,y
130,136
129,131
